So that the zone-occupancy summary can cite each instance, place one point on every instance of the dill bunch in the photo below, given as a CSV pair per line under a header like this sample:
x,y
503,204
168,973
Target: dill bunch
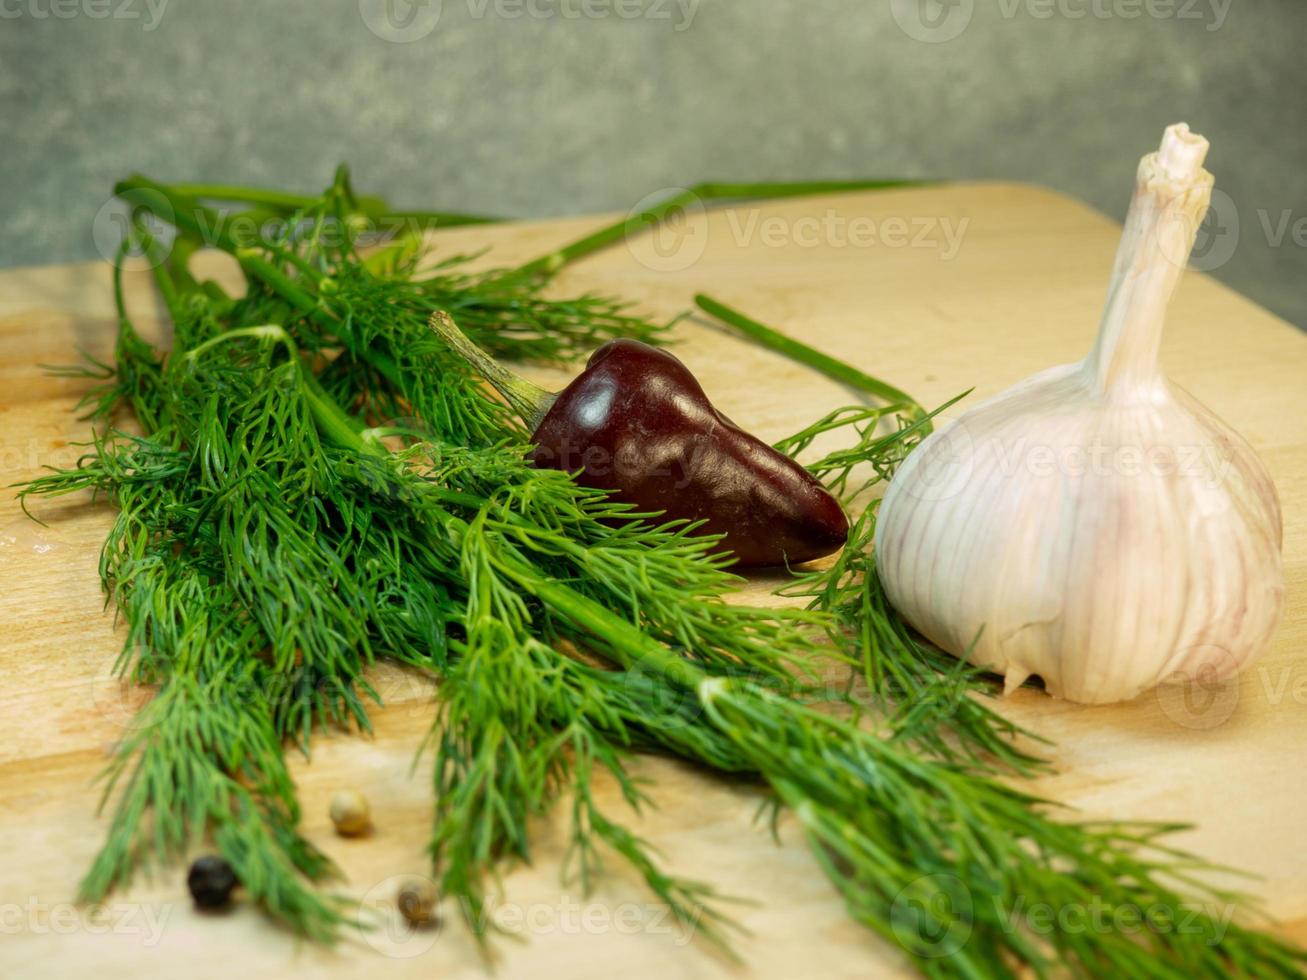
x,y
268,548
318,484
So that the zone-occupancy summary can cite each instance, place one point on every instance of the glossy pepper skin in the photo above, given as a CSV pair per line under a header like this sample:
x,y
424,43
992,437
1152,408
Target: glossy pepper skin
x,y
638,424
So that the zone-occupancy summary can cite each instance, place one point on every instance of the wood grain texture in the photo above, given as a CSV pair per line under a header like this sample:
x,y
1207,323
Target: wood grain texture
x,y
1018,287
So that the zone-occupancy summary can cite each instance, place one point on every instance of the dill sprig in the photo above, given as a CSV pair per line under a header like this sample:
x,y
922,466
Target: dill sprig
x,y
925,693
259,516
319,484
943,860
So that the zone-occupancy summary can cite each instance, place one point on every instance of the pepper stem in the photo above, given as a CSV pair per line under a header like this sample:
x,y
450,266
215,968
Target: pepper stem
x,y
528,400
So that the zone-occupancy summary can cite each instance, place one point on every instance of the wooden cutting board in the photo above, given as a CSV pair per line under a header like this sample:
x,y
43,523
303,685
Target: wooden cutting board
x,y
936,290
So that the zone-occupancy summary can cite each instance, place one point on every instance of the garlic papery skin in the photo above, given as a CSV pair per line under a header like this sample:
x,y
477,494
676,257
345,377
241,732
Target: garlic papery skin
x,y
1094,524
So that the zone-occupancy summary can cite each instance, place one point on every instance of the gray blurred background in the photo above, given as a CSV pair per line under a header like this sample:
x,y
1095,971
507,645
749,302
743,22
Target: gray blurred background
x,y
548,107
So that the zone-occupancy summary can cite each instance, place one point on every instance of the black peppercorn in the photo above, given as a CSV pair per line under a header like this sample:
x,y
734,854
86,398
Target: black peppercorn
x,y
211,881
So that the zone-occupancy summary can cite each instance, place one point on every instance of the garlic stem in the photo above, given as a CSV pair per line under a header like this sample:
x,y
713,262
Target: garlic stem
x,y
1172,191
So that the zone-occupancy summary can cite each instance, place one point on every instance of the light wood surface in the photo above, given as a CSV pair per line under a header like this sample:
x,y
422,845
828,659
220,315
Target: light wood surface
x,y
1019,286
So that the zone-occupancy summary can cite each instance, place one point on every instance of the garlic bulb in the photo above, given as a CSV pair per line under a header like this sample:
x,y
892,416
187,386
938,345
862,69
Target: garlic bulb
x,y
1095,525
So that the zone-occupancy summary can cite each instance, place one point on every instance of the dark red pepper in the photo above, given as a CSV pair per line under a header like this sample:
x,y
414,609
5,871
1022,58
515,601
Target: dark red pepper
x,y
637,423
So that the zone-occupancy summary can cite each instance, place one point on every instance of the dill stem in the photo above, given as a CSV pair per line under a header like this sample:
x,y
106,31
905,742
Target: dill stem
x,y
699,194
375,208
164,276
798,351
254,264
335,424
628,644
267,331
179,204
442,219
206,225
185,213
278,200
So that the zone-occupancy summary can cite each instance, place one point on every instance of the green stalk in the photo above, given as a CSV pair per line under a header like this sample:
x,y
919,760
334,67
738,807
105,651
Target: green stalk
x,y
205,224
433,219
265,331
276,200
797,351
254,264
286,203
630,645
880,818
165,277
179,204
187,214
698,194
